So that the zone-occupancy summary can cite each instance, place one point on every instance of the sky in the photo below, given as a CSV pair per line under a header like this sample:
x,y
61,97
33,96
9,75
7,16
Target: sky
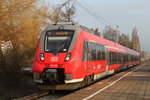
x,y
127,14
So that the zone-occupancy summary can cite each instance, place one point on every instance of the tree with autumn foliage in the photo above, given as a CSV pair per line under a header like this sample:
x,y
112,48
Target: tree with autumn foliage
x,y
15,27
21,22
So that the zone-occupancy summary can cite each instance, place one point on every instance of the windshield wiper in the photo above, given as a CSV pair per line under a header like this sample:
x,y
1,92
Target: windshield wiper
x,y
62,46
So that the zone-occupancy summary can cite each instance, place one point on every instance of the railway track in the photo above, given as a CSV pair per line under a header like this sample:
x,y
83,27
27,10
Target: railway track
x,y
34,96
51,95
46,95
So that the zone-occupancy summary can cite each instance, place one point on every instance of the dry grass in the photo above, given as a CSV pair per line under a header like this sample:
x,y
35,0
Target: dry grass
x,y
10,90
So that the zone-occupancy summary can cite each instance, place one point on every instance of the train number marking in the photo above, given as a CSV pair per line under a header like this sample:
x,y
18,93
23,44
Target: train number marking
x,y
99,66
54,59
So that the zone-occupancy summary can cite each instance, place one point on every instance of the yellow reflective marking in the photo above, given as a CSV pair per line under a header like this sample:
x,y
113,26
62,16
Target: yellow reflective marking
x,y
92,41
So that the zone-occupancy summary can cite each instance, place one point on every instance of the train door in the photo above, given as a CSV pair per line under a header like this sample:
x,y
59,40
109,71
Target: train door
x,y
87,57
107,60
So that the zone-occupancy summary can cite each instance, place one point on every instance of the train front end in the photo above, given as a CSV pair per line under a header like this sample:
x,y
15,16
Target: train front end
x,y
54,66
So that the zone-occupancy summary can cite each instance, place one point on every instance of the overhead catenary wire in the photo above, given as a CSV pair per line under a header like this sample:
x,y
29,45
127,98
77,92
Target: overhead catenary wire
x,y
93,13
88,9
111,24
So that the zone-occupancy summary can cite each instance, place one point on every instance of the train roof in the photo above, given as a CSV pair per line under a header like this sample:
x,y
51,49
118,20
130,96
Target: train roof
x,y
109,44
70,25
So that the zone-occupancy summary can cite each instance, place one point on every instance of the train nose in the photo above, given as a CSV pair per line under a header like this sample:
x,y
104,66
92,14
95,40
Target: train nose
x,y
53,76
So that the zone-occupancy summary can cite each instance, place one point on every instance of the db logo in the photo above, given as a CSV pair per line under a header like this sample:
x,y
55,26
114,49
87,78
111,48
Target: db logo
x,y
54,59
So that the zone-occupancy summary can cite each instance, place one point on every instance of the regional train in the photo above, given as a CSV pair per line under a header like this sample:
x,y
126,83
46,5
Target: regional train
x,y
70,56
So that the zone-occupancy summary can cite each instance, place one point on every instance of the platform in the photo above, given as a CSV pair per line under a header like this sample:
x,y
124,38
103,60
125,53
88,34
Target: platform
x,y
132,84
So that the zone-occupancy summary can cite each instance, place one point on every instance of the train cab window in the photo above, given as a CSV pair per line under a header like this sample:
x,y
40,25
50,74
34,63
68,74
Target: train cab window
x,y
58,40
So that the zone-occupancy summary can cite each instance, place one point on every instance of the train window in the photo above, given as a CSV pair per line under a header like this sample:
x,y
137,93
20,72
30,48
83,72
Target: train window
x,y
125,57
85,51
58,41
110,58
98,52
117,57
93,51
103,52
114,57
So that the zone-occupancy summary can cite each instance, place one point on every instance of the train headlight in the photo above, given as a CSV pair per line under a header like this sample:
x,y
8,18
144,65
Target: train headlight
x,y
42,56
68,57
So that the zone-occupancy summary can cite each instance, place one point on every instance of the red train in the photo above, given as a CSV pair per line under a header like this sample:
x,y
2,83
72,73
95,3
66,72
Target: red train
x,y
69,56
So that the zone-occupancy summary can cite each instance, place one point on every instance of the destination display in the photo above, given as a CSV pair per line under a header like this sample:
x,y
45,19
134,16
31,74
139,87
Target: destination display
x,y
56,32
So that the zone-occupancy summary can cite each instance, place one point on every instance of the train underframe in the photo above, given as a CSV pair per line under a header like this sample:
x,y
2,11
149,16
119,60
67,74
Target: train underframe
x,y
53,80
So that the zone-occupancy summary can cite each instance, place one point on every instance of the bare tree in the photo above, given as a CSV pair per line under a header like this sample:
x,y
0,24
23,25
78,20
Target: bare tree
x,y
135,40
111,34
64,12
125,40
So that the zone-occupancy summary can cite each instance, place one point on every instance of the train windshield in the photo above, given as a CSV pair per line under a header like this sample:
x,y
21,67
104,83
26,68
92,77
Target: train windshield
x,y
58,41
